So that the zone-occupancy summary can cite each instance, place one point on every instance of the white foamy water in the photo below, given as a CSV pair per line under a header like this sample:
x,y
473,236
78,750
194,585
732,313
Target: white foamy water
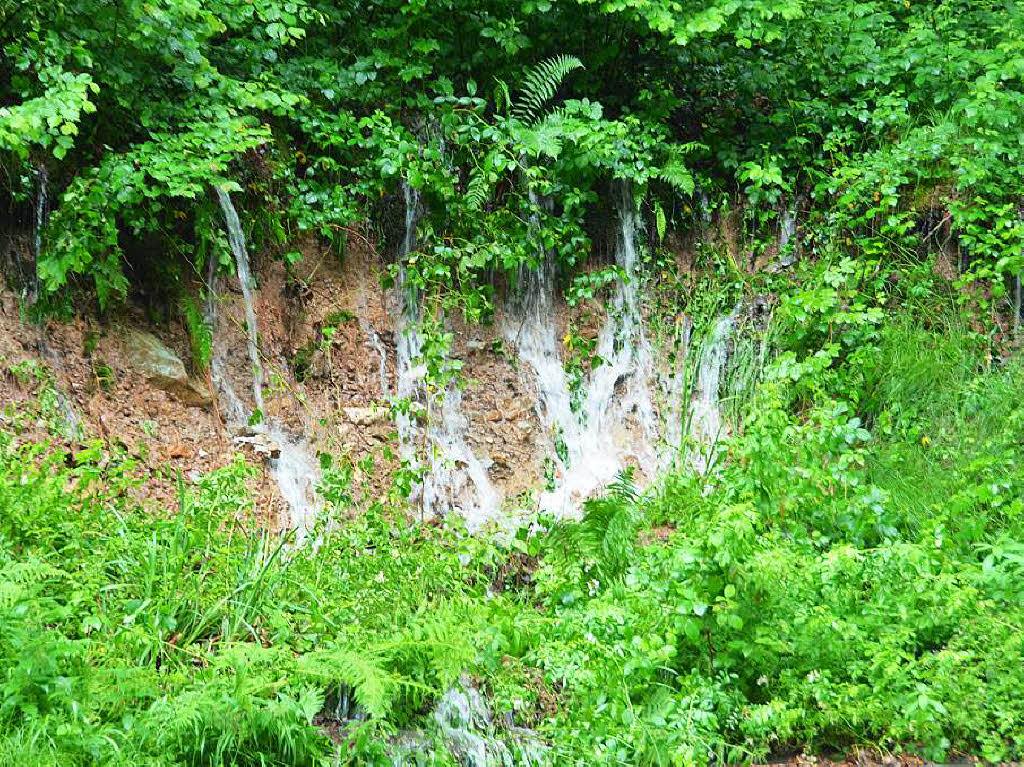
x,y
531,329
456,479
409,371
787,227
615,420
374,342
236,239
42,211
293,469
674,385
706,422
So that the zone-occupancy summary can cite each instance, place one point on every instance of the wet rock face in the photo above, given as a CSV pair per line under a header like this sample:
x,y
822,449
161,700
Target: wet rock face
x,y
164,370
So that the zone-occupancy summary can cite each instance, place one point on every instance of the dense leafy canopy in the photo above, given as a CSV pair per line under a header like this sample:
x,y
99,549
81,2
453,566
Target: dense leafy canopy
x,y
889,110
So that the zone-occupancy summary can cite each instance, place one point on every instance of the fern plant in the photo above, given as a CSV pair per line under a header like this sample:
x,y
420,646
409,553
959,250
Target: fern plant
x,y
366,673
540,84
605,539
240,717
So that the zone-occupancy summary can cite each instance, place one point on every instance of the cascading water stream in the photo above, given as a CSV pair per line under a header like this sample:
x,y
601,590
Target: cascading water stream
x,y
236,239
623,345
674,385
73,427
374,342
457,479
42,211
408,344
530,328
291,467
787,228
706,422
615,419
228,403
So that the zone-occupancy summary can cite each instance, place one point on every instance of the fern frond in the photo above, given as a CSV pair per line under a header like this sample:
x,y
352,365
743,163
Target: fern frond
x,y
606,536
544,139
478,189
674,171
660,221
22,581
623,488
678,177
375,686
540,84
439,638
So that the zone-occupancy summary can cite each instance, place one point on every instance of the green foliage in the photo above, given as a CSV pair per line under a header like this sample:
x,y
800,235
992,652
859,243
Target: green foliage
x,y
242,717
601,545
200,334
847,575
539,85
862,106
129,635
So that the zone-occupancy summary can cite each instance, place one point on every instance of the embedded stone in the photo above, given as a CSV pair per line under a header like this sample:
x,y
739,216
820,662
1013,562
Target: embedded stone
x,y
162,368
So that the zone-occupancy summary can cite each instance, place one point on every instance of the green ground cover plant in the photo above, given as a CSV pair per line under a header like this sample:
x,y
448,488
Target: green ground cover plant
x,y
849,575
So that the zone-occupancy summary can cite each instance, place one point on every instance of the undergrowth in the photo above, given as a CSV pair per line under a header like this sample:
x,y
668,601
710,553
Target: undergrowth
x,y
851,574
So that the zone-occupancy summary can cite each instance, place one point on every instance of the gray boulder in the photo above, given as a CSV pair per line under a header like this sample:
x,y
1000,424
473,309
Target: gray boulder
x,y
147,355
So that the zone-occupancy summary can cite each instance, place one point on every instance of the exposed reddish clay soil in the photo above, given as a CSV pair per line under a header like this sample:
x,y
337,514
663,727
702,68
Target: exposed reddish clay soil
x,y
327,342
114,403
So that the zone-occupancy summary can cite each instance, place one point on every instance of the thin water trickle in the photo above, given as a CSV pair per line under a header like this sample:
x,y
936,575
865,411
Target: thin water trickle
x,y
293,468
409,371
787,228
706,422
375,343
456,479
787,235
236,239
72,425
674,383
42,211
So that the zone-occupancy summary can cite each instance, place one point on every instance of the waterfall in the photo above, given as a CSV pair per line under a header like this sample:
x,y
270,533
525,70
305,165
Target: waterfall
x,y
707,425
674,386
374,342
457,479
290,463
228,403
787,228
705,207
787,233
615,419
42,211
408,371
236,239
531,329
